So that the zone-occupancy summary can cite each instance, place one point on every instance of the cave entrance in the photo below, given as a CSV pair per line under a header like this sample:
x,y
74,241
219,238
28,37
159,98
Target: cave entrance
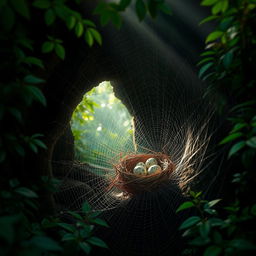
x,y
101,126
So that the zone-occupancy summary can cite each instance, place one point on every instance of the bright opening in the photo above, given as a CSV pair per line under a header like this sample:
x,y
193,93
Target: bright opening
x,y
100,123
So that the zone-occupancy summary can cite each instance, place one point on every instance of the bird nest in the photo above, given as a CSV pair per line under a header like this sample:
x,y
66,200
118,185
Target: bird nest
x,y
132,183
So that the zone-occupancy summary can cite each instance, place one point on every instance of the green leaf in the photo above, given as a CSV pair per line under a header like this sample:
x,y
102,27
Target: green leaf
x,y
68,237
60,51
209,18
208,2
238,127
242,244
216,222
204,229
35,61
8,17
86,207
94,214
86,230
36,135
16,113
244,104
21,7
85,247
213,36
33,80
96,35
185,205
213,202
20,150
37,94
26,42
251,142
238,146
205,60
226,23
191,221
198,194
204,68
67,227
228,58
39,143
63,11
212,251
192,193
89,23
231,137
164,8
26,192
105,18
152,8
45,243
88,37
100,8
33,147
76,215
79,29
100,222
49,17
210,211
123,4
207,53
42,4
141,9
198,241
97,241
71,22
58,41
14,183
47,47
224,5
116,19
217,237
220,6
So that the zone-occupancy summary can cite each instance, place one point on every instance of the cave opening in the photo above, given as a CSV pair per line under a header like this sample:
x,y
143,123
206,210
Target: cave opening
x,y
101,125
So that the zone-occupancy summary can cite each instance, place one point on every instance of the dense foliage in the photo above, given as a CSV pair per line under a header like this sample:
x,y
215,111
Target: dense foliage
x,y
30,40
228,67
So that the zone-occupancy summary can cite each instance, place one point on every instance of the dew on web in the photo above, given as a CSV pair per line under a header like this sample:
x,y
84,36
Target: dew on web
x,y
108,136
161,113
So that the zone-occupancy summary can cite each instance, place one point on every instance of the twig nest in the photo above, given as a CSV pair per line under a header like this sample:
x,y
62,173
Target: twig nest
x,y
133,176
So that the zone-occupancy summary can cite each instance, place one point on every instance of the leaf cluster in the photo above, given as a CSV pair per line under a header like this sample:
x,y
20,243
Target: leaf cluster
x,y
23,234
210,233
227,66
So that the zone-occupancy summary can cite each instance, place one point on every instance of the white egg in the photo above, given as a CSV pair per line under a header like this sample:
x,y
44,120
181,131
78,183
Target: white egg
x,y
140,170
141,164
151,161
154,169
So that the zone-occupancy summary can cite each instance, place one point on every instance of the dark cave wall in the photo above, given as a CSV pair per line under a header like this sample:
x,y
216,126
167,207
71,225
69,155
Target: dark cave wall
x,y
132,59
136,56
162,59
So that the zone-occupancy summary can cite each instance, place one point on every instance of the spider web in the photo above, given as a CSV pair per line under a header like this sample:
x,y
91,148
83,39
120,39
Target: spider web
x,y
171,116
